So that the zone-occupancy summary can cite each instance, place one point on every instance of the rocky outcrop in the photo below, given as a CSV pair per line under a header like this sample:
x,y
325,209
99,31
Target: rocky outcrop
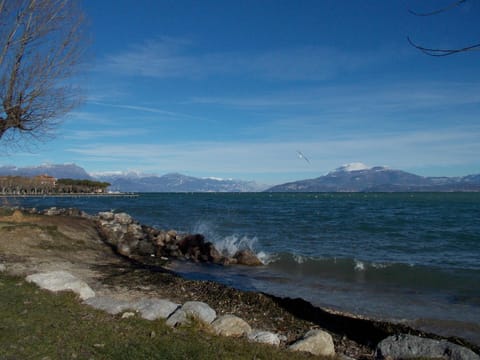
x,y
405,346
131,239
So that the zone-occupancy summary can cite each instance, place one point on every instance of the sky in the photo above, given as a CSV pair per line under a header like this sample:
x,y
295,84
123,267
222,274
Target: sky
x,y
235,89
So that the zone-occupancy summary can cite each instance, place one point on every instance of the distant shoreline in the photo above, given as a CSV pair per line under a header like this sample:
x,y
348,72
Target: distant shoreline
x,y
69,195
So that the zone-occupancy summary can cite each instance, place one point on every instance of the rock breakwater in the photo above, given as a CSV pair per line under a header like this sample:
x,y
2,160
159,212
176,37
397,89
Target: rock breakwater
x,y
140,242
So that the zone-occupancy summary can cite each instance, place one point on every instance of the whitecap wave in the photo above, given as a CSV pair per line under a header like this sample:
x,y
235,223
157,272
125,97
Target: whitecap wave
x,y
359,266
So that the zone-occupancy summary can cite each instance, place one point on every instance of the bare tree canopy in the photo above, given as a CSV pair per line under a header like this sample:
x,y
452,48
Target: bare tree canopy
x,y
437,51
41,43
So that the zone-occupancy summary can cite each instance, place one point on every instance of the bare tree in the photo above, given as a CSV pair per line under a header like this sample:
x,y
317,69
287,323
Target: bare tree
x,y
436,51
41,44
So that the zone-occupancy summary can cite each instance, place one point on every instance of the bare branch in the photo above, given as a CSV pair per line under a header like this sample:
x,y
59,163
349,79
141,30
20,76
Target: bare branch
x,y
438,11
442,52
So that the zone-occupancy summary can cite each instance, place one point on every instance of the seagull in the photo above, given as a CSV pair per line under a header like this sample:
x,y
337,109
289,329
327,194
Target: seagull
x,y
301,156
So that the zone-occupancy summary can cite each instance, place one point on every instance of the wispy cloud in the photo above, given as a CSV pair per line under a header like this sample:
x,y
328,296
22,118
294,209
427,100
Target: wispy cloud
x,y
387,96
176,58
113,133
147,109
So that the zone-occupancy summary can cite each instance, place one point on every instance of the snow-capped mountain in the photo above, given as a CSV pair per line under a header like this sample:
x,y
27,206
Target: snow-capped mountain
x,y
358,177
135,182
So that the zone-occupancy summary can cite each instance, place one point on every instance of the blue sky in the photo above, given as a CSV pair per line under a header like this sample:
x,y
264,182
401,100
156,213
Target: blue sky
x,y
234,89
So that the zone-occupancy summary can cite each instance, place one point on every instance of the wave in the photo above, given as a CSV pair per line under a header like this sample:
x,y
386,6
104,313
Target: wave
x,y
371,273
229,245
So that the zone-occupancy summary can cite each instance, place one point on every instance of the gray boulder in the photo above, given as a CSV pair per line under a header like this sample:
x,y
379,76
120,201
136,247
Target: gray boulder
x,y
247,257
231,325
108,304
405,346
200,311
106,215
152,309
61,281
123,218
179,317
264,337
316,342
196,309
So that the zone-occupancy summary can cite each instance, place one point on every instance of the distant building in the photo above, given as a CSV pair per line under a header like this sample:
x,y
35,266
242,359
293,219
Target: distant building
x,y
46,180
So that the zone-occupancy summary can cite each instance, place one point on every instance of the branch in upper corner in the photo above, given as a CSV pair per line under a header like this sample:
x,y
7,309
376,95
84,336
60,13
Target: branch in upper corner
x,y
438,11
442,52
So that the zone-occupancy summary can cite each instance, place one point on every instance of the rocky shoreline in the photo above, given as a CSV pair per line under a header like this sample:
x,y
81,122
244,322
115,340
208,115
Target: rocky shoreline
x,y
140,275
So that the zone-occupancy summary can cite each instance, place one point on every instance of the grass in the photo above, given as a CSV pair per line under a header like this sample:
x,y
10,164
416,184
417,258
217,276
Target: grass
x,y
36,324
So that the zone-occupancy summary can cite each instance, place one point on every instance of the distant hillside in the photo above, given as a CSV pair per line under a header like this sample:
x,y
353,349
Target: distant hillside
x,y
359,178
132,182
65,171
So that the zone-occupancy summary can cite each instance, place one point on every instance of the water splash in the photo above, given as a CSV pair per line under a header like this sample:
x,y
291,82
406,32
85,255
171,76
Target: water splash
x,y
359,266
229,245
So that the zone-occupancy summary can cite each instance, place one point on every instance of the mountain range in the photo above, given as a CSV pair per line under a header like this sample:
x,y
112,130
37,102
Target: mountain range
x,y
357,177
135,182
174,182
354,177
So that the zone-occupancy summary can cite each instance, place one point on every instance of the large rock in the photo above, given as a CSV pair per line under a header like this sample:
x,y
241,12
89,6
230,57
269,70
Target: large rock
x,y
194,247
106,215
247,257
231,325
179,317
110,305
60,281
316,342
123,218
405,346
152,309
264,337
200,311
196,309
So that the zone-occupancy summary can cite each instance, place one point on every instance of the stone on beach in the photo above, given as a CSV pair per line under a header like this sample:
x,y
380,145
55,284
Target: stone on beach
x,y
316,342
60,281
405,346
231,325
264,337
108,304
196,309
123,218
152,309
247,257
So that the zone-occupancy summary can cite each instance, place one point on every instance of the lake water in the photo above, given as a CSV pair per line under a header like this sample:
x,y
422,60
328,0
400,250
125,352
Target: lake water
x,y
412,257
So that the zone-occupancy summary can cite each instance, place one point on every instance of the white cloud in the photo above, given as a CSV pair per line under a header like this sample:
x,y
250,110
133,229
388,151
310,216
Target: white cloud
x,y
432,148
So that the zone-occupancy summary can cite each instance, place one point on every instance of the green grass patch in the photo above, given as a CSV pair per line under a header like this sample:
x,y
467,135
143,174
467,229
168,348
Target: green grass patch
x,y
36,324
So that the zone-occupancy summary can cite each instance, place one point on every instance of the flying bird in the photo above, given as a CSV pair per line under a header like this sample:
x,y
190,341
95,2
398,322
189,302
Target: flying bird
x,y
301,156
